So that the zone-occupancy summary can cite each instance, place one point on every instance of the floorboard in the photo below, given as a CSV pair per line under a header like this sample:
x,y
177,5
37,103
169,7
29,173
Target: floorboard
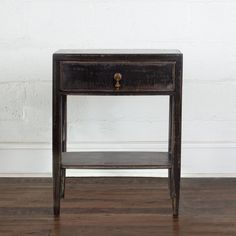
x,y
118,206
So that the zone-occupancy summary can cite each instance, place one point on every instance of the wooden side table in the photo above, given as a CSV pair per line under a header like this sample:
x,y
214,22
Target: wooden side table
x,y
116,72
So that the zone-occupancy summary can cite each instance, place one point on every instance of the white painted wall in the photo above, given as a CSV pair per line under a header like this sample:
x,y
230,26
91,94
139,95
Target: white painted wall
x,y
204,30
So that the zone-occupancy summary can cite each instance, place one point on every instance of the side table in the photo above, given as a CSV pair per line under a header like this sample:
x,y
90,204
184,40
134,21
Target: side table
x,y
116,72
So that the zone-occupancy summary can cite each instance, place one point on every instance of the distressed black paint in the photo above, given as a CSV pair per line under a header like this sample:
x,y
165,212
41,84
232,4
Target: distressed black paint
x,y
92,73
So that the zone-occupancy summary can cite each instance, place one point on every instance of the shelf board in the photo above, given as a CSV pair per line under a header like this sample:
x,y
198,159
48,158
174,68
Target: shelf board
x,y
115,160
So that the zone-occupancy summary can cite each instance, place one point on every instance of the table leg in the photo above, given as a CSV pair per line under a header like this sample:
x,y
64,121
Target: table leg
x,y
57,148
170,175
176,152
64,141
63,182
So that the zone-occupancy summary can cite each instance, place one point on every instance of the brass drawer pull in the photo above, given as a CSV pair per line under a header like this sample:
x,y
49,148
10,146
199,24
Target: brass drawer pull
x,y
117,78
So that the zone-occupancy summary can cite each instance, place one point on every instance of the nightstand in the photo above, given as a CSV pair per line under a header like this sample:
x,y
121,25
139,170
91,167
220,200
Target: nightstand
x,y
116,73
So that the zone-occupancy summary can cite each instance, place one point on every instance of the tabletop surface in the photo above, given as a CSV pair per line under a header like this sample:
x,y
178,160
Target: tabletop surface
x,y
118,51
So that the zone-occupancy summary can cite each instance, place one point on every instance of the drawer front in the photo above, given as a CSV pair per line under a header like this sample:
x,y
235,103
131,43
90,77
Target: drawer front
x,y
117,76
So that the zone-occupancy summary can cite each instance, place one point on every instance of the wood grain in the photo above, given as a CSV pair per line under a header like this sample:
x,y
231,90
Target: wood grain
x,y
118,206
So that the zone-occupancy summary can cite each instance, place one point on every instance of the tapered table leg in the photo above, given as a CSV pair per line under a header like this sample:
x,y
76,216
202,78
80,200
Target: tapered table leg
x,y
64,141
176,153
57,145
170,174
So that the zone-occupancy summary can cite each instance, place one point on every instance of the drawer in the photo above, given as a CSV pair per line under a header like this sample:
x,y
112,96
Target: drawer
x,y
117,77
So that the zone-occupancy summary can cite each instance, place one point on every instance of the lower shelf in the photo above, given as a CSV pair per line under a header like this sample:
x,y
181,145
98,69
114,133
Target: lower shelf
x,y
115,160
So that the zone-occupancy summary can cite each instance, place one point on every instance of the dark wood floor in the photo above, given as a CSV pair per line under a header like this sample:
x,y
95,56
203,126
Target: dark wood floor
x,y
118,206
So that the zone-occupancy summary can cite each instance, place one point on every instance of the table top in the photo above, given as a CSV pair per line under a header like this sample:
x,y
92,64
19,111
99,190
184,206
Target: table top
x,y
118,51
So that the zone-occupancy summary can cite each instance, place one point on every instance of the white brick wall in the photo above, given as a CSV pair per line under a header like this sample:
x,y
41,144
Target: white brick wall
x,y
204,30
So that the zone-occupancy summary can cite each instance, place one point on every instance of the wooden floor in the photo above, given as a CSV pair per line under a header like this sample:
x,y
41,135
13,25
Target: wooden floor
x,y
118,206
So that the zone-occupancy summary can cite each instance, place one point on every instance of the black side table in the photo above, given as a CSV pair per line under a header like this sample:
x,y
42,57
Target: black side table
x,y
116,72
